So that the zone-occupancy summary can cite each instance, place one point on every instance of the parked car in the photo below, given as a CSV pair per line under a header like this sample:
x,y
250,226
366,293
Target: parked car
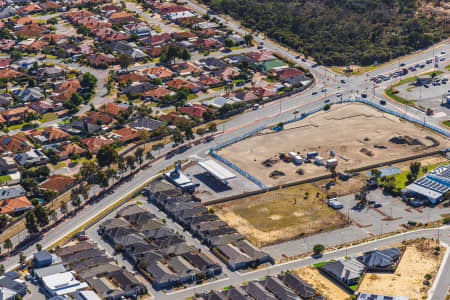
x,y
443,52
327,101
426,86
297,57
339,95
364,95
83,237
314,93
334,203
442,59
429,61
402,64
383,102
342,80
376,205
323,90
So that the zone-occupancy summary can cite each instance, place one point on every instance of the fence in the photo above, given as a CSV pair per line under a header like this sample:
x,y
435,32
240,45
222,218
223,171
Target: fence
x,y
233,166
400,115
304,115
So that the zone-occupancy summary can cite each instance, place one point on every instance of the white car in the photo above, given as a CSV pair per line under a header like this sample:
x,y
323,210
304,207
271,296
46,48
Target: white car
x,y
334,203
339,95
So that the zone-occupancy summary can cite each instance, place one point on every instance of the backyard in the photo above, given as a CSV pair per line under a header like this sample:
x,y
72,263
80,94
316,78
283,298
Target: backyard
x,y
414,275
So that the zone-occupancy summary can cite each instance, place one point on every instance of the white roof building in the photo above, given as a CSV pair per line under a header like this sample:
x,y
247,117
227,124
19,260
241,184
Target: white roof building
x,y
433,185
60,284
217,170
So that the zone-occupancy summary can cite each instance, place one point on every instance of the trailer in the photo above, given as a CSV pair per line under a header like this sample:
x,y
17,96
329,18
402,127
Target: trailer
x,y
310,155
332,162
296,159
319,161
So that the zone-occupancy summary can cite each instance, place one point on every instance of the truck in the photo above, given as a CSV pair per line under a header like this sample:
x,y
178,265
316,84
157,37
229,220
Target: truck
x,y
296,159
332,162
310,155
319,161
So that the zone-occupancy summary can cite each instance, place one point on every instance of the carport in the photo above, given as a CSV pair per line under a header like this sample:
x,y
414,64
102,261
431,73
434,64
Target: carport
x,y
217,171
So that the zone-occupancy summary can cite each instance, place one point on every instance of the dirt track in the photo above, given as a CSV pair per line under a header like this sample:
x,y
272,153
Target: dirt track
x,y
346,129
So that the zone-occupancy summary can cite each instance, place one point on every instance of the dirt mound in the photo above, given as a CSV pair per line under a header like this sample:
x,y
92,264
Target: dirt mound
x,y
276,174
270,162
366,151
405,139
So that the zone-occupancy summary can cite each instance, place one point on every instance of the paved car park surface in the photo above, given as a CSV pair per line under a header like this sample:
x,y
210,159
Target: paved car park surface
x,y
211,189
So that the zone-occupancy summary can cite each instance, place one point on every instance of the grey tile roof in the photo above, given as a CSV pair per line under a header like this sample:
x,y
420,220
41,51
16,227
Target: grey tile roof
x,y
275,286
298,285
257,291
345,269
380,258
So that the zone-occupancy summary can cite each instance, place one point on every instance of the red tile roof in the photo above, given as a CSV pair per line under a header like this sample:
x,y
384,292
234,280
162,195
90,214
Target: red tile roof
x,y
196,110
127,134
96,142
16,143
10,73
31,30
157,93
133,77
160,72
12,204
112,108
181,83
57,183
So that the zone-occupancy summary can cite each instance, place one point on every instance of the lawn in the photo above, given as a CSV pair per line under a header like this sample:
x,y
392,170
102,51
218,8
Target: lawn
x,y
280,215
192,96
5,178
446,123
447,67
59,165
48,117
401,179
18,126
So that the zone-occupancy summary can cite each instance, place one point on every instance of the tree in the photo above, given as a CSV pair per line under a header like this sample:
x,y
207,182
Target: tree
x,y
148,155
2,269
375,173
107,155
31,222
52,215
41,214
8,244
63,208
188,133
185,55
89,81
140,155
248,39
130,159
318,248
125,60
212,127
228,43
22,258
38,247
177,137
121,164
75,198
414,167
208,115
3,221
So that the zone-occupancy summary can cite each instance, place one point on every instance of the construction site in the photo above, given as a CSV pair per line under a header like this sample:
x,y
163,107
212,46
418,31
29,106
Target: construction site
x,y
347,137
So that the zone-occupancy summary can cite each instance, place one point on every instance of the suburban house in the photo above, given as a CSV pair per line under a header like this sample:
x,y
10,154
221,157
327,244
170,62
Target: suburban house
x,y
58,183
380,259
31,158
94,143
346,271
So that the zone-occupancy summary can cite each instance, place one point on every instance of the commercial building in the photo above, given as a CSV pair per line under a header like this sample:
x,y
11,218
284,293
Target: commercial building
x,y
432,186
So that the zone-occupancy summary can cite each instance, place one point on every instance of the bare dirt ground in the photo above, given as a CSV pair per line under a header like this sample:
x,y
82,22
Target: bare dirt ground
x,y
345,128
322,284
280,215
419,258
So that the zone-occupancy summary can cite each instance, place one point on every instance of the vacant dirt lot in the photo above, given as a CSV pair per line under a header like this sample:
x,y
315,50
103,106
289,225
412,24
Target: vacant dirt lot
x,y
348,129
419,259
280,215
322,284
